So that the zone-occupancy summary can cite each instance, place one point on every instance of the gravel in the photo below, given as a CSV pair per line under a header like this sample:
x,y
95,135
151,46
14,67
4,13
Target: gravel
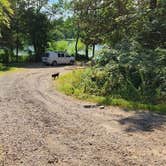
x,y
40,127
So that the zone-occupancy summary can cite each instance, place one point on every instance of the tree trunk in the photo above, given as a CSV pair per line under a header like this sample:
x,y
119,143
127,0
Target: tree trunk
x,y
76,46
12,54
87,51
35,50
93,51
6,57
17,40
153,4
17,49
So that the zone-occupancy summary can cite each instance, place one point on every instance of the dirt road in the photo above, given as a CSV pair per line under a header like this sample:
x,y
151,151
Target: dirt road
x,y
40,127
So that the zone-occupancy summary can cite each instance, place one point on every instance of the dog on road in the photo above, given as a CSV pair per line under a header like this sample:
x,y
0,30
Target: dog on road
x,y
55,75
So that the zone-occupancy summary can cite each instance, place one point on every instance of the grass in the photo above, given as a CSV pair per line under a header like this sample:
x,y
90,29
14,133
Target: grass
x,y
8,69
67,84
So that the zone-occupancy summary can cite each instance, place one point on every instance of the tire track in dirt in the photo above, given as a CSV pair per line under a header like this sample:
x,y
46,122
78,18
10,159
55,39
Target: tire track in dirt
x,y
39,126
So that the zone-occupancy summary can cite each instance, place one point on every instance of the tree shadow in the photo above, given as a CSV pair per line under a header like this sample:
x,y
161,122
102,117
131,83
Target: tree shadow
x,y
35,65
143,121
4,68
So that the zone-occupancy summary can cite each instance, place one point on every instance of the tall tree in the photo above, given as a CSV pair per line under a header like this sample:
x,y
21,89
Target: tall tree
x,y
29,24
37,28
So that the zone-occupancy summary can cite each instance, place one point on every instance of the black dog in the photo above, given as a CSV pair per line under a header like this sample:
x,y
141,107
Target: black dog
x,y
56,75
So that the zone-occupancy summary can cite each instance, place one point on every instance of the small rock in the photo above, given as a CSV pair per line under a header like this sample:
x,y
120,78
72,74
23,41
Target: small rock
x,y
52,160
101,107
87,106
35,149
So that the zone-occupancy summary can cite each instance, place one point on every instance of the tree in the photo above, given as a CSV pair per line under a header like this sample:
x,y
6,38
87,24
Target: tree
x,y
37,28
5,36
134,65
5,12
102,21
28,24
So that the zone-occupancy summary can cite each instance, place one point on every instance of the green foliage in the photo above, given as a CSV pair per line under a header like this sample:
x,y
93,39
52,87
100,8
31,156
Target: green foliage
x,y
8,69
5,12
62,29
65,45
37,25
71,48
29,25
137,75
60,45
129,72
2,67
134,67
73,84
70,86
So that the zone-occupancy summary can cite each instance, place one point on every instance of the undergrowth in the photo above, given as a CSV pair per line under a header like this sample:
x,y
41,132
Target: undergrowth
x,y
7,69
71,84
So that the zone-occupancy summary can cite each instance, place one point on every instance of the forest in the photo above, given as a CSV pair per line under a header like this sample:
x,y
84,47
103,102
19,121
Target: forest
x,y
131,35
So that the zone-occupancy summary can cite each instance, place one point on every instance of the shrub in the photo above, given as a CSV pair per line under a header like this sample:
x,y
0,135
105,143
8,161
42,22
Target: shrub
x,y
133,73
72,84
3,68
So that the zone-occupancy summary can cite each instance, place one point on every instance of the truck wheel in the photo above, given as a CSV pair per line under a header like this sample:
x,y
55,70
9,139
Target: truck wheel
x,y
54,63
71,62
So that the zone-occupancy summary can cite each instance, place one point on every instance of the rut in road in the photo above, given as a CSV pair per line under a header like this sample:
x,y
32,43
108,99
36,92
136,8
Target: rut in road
x,y
40,127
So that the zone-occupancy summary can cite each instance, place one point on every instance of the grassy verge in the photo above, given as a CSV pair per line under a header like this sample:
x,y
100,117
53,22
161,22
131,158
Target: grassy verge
x,y
66,84
8,69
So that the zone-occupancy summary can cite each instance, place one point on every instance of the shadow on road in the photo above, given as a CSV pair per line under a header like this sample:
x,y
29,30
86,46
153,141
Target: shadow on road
x,y
143,121
34,65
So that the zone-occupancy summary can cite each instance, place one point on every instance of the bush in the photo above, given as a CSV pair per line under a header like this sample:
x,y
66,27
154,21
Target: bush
x,y
3,68
130,72
72,84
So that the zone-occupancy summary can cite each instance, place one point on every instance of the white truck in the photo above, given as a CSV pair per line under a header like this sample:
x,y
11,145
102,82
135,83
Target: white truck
x,y
55,58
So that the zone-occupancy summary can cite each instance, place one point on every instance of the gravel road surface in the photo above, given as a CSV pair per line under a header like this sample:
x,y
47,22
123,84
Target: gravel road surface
x,y
41,127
